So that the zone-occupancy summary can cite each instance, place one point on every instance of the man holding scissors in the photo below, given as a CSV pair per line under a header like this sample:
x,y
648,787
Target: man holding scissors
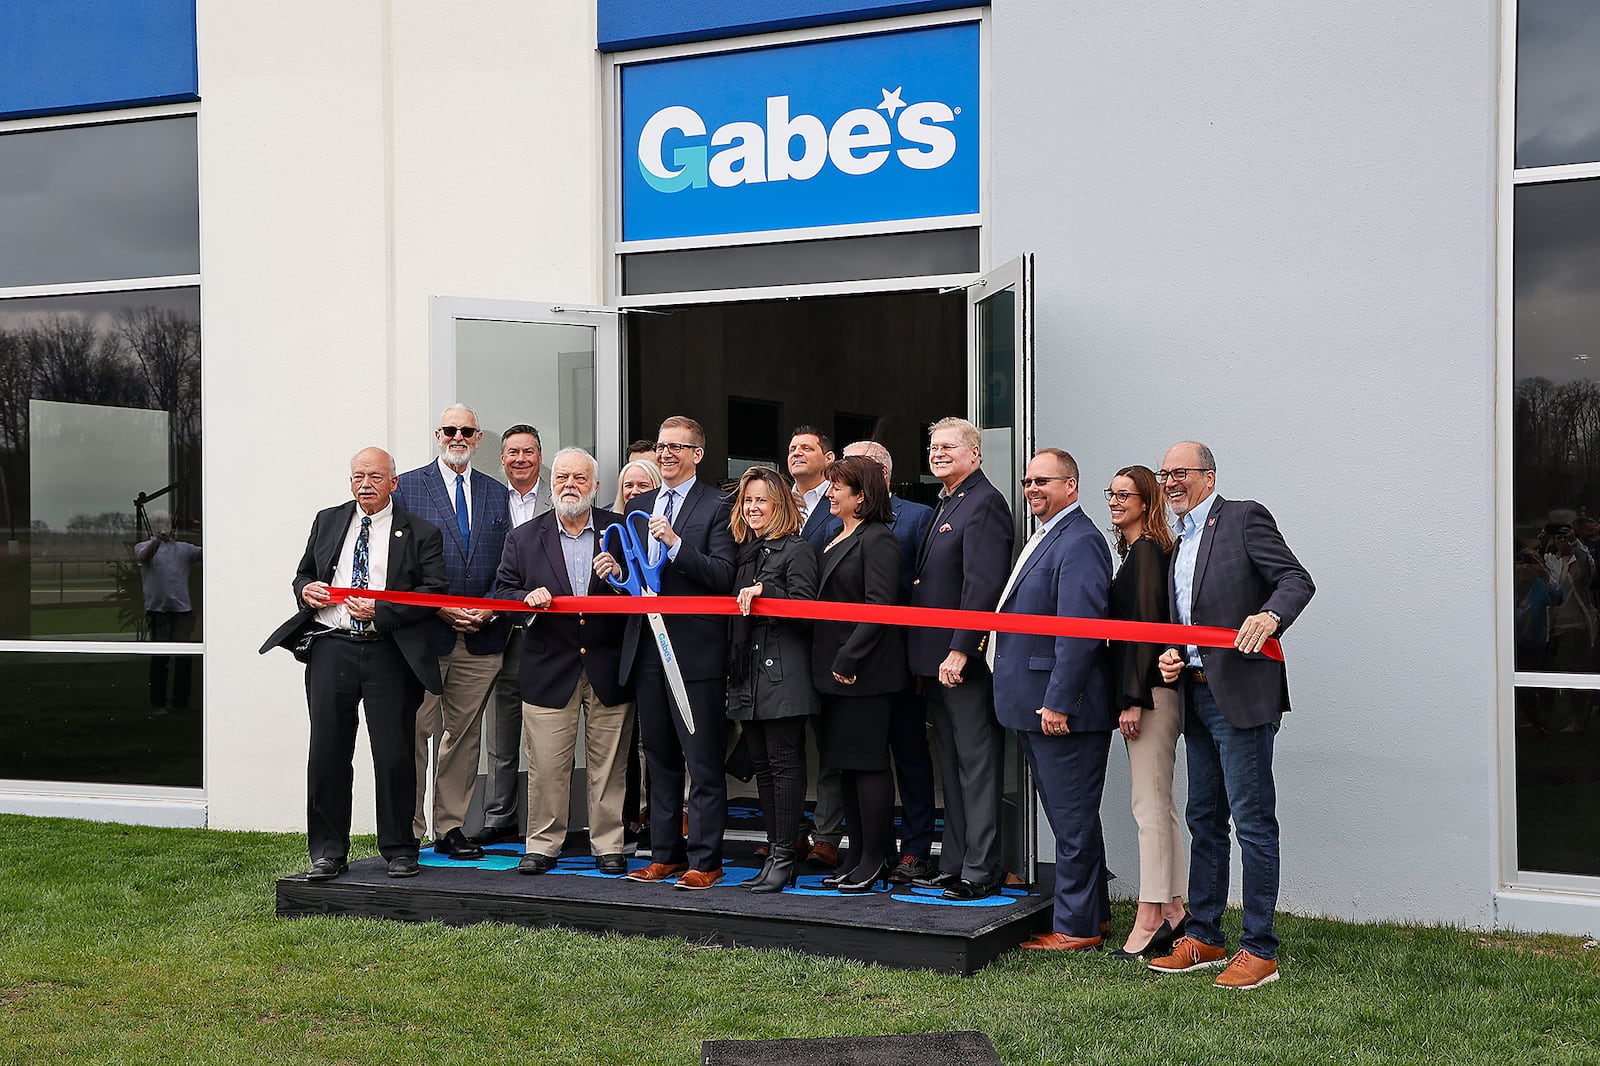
x,y
689,537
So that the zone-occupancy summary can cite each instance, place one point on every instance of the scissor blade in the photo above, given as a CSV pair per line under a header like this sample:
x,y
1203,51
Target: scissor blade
x,y
669,663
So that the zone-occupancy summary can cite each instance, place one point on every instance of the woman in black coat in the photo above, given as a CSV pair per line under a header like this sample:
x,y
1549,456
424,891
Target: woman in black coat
x,y
858,667
769,660
1151,713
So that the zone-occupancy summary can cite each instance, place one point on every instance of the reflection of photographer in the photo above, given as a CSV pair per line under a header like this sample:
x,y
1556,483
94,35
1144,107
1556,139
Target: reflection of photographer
x,y
164,565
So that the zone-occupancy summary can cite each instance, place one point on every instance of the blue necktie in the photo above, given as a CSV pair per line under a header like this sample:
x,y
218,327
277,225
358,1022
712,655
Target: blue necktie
x,y
359,568
462,522
657,549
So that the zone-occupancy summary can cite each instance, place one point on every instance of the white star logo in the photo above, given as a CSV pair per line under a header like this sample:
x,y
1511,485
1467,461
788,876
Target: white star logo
x,y
891,101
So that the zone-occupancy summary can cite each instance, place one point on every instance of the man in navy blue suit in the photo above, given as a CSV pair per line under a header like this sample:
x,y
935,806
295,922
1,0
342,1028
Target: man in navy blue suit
x,y
471,510
1231,569
1056,692
962,563
689,527
908,724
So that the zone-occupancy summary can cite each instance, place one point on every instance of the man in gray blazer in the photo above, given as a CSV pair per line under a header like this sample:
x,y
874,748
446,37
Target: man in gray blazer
x,y
1231,569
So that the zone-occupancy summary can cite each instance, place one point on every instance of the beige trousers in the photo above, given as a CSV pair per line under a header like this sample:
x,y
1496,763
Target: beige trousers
x,y
453,722
1163,873
549,737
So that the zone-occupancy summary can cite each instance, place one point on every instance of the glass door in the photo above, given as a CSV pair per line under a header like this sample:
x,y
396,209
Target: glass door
x,y
1000,403
550,365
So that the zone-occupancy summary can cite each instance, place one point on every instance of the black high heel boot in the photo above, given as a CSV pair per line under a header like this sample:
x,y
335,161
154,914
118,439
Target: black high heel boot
x,y
778,873
849,887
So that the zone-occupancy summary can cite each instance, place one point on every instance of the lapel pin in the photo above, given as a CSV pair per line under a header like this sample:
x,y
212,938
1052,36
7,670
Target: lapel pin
x,y
399,532
1211,521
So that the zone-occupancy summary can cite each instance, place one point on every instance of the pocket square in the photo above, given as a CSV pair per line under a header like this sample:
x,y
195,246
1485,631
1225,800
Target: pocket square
x,y
946,528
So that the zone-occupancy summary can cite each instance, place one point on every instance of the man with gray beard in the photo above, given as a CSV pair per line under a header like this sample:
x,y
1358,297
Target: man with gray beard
x,y
570,664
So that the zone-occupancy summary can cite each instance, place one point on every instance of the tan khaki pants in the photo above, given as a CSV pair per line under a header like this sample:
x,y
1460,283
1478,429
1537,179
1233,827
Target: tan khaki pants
x,y
453,722
1163,872
549,737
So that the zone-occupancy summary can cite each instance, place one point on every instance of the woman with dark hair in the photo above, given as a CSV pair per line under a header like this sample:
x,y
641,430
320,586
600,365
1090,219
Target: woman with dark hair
x,y
859,666
769,660
1152,714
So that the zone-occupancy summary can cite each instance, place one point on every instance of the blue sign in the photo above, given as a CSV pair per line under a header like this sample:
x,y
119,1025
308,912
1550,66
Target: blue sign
x,y
826,133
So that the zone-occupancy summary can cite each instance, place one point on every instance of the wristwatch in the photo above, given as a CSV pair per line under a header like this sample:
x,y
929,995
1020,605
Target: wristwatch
x,y
1277,620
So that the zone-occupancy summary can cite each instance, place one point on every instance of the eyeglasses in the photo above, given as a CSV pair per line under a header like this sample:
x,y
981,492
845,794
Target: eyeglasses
x,y
932,448
1113,495
674,447
1180,473
464,431
1030,482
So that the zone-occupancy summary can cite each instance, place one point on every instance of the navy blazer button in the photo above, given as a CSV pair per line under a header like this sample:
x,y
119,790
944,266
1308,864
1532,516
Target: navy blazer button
x,y
583,651
769,662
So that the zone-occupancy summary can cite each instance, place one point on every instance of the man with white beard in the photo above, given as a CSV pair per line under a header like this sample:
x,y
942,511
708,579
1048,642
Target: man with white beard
x,y
570,664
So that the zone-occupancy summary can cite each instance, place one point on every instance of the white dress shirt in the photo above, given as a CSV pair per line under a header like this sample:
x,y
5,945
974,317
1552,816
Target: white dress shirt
x,y
337,615
449,476
522,505
1022,560
660,509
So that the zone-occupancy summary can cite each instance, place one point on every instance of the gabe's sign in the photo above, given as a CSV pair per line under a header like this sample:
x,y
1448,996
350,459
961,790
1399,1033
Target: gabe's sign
x,y
826,133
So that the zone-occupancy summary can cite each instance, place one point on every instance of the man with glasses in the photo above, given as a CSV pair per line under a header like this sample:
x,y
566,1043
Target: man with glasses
x,y
962,563
471,511
689,528
522,459
1231,569
363,655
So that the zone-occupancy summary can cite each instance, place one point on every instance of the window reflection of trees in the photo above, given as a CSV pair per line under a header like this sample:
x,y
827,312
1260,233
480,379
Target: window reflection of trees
x,y
1557,446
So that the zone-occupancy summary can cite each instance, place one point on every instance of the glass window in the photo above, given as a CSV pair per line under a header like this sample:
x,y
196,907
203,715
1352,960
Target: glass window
x,y
99,453
89,718
1558,82
1558,781
98,203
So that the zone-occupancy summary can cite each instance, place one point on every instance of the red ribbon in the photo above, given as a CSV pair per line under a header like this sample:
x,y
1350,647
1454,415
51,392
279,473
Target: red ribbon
x,y
1164,633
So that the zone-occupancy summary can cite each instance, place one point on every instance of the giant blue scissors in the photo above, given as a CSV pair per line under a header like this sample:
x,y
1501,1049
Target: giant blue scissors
x,y
643,578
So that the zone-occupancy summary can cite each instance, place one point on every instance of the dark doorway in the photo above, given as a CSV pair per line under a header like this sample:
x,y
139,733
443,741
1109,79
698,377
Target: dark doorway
x,y
880,366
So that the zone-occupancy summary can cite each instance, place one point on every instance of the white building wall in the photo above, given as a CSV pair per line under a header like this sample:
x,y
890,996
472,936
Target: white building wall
x,y
355,160
1273,230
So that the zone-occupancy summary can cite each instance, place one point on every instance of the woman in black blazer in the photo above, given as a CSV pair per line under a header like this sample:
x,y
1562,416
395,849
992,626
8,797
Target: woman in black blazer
x,y
858,667
1151,713
769,660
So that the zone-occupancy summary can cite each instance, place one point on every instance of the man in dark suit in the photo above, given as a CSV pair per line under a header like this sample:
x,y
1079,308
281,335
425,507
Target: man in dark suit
x,y
810,452
471,511
364,653
962,563
689,527
1056,692
570,665
1231,569
522,459
908,723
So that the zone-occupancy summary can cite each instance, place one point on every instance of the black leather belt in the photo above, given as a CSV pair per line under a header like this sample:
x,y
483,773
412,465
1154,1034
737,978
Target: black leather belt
x,y
354,637
1195,674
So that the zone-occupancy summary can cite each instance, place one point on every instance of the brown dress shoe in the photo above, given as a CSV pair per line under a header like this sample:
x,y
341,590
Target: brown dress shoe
x,y
658,871
1247,971
824,854
698,879
1189,954
1061,942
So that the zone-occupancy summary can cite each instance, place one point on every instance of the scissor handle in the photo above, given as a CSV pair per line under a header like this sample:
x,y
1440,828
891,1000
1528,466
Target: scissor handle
x,y
633,539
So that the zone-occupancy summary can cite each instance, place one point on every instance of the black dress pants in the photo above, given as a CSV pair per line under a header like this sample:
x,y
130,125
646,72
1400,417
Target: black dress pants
x,y
341,675
670,750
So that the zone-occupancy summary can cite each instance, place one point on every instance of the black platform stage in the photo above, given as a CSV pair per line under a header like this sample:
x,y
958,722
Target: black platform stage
x,y
905,927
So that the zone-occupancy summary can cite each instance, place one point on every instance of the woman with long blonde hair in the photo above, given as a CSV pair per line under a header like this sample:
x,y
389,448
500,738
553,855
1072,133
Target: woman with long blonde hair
x,y
1151,712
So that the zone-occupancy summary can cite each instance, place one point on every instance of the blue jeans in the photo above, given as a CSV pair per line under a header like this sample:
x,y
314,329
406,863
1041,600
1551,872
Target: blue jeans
x,y
1230,774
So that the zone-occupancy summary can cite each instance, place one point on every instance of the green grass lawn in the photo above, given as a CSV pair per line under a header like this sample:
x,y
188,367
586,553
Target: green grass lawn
x,y
122,944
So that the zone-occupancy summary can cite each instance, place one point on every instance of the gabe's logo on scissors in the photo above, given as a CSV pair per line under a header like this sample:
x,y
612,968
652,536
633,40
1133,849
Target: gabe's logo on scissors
x,y
665,646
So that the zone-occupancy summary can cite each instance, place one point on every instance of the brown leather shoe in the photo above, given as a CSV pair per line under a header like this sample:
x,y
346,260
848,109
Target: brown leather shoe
x,y
698,879
1189,954
1061,942
658,871
1247,971
824,854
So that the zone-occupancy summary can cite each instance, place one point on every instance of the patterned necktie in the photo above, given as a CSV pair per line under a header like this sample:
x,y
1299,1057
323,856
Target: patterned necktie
x,y
656,547
463,523
359,574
